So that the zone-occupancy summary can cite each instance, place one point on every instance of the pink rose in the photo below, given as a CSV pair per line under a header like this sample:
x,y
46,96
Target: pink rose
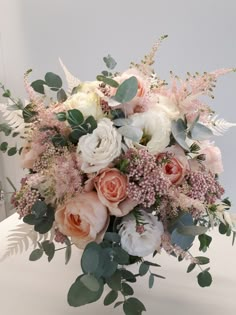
x,y
84,218
30,154
111,187
213,159
174,165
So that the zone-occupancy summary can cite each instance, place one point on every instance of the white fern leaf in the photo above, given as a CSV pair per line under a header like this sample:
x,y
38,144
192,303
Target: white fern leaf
x,y
219,125
13,118
22,238
71,80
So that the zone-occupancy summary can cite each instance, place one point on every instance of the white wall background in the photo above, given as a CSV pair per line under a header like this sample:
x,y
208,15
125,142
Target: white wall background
x,y
202,37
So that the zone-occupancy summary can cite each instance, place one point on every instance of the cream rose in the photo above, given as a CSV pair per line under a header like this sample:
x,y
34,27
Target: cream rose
x,y
84,218
86,100
155,125
100,148
111,187
141,240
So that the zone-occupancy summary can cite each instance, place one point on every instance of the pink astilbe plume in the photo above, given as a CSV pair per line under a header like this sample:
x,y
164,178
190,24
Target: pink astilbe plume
x,y
67,175
34,97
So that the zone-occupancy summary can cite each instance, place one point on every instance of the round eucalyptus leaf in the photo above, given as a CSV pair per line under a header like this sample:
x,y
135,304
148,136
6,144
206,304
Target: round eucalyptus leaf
x,y
204,279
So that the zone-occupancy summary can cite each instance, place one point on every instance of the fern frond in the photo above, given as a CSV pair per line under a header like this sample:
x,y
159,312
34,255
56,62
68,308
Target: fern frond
x,y
14,118
22,237
219,125
71,80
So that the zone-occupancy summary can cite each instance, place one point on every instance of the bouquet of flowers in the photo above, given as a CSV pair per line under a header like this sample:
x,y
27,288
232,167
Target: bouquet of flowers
x,y
121,167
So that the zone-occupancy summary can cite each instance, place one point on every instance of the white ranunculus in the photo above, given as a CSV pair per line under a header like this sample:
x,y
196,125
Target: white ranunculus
x,y
100,148
86,100
156,125
144,242
167,105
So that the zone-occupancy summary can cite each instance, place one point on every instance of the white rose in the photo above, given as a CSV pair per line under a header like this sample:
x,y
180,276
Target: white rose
x,y
86,100
155,125
100,148
141,240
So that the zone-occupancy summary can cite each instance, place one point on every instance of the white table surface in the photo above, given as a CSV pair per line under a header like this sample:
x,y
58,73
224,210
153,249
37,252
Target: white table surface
x,y
40,288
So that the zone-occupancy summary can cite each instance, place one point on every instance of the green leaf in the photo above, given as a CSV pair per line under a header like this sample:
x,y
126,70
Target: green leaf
x,y
201,132
30,219
110,62
61,116
234,237
149,263
6,129
133,306
61,96
126,91
223,228
46,222
38,86
128,275
126,289
29,113
59,140
112,237
7,93
79,294
131,132
117,113
114,282
192,230
143,269
121,256
110,297
4,146
68,250
12,151
191,267
53,80
202,260
36,254
49,249
151,281
178,129
205,241
118,304
108,81
204,279
75,117
90,258
90,282
39,208
89,124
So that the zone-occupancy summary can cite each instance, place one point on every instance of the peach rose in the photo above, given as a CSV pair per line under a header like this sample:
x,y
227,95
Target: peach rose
x,y
176,165
84,218
30,154
111,186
